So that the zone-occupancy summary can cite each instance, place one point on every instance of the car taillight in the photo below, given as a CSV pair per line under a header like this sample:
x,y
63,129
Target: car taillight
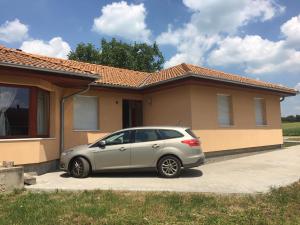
x,y
191,142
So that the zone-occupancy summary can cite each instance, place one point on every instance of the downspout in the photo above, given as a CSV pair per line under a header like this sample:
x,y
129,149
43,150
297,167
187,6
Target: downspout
x,y
62,114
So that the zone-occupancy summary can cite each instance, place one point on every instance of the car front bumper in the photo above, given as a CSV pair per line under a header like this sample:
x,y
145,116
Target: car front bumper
x,y
64,162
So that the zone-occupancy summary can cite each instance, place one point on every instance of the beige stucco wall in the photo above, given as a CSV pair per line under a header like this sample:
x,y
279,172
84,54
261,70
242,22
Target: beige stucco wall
x,y
110,116
34,150
195,106
244,133
168,107
188,105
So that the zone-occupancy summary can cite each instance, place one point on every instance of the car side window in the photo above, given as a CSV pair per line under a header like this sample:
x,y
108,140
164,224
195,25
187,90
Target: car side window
x,y
118,138
168,134
145,135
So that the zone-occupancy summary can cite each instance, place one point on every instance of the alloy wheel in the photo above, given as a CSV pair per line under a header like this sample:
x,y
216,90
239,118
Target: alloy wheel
x,y
169,167
77,169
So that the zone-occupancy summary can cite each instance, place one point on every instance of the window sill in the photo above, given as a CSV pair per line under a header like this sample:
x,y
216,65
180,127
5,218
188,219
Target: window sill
x,y
24,139
226,126
86,130
266,125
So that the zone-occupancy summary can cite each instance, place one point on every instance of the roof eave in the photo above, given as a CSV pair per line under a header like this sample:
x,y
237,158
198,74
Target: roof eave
x,y
73,74
115,86
190,75
193,75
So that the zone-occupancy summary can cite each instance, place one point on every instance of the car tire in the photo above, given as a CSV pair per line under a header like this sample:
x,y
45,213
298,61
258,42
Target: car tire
x,y
169,167
80,167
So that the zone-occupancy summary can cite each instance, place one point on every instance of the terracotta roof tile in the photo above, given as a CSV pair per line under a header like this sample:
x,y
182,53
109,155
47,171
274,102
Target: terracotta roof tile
x,y
128,78
184,70
109,75
232,77
17,57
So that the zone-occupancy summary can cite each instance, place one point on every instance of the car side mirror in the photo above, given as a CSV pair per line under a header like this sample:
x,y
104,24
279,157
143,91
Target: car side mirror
x,y
101,144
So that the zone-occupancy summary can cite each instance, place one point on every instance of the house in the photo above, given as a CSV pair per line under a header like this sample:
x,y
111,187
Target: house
x,y
49,104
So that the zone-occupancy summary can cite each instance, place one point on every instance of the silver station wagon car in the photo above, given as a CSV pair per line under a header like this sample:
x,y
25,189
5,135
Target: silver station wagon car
x,y
164,149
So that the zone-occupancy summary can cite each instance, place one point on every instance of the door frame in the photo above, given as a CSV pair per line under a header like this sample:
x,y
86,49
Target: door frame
x,y
131,104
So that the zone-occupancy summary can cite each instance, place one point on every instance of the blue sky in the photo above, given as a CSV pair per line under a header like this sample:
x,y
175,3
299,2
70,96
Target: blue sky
x,y
255,38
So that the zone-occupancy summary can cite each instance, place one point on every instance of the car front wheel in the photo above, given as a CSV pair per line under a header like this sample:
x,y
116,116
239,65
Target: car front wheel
x,y
169,167
80,167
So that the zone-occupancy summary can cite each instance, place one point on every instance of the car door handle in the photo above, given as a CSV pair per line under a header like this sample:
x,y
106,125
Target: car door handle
x,y
122,149
155,146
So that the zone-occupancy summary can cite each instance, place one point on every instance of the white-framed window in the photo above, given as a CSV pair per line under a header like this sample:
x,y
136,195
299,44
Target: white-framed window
x,y
85,112
260,111
225,115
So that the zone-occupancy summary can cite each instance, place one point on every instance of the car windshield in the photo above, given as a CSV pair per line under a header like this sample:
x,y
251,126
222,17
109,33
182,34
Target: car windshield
x,y
118,138
115,138
100,139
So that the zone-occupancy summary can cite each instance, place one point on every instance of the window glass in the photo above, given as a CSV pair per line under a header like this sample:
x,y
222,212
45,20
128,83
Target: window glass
x,y
225,110
118,138
24,111
145,135
167,134
190,132
43,104
14,111
85,113
260,111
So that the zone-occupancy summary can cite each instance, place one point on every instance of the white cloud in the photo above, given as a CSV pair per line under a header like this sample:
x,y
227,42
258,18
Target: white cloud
x,y
210,20
213,16
290,64
261,56
291,30
297,87
123,20
191,45
252,51
13,31
16,31
56,47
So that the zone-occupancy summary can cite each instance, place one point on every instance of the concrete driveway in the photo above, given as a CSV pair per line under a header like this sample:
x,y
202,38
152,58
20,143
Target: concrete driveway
x,y
251,174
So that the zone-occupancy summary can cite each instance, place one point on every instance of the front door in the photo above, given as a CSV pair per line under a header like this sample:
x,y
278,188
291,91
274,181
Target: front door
x,y
132,113
116,152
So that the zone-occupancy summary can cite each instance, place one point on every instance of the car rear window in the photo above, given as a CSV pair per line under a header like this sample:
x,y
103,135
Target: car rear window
x,y
168,134
190,132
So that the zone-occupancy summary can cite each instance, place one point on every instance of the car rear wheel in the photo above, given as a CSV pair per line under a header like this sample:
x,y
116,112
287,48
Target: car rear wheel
x,y
80,167
169,167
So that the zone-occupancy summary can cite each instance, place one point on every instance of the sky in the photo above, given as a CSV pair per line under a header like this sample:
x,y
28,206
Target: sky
x,y
254,38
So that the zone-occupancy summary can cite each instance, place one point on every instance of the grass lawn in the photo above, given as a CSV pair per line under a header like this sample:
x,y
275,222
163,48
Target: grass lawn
x,y
289,144
280,206
294,138
291,129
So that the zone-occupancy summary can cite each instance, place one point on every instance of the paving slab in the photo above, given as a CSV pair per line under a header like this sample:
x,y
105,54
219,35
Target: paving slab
x,y
250,174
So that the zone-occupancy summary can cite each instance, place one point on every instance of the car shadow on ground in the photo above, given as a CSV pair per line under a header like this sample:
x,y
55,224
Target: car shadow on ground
x,y
187,173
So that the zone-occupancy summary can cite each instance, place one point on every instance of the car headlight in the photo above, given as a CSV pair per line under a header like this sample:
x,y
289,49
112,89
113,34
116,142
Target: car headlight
x,y
66,152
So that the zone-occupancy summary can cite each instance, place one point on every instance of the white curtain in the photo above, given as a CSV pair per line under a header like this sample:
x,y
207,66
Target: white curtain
x,y
259,111
224,108
7,96
42,113
85,112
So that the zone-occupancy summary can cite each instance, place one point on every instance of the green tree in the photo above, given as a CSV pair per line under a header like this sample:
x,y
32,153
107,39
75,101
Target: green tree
x,y
136,56
85,53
